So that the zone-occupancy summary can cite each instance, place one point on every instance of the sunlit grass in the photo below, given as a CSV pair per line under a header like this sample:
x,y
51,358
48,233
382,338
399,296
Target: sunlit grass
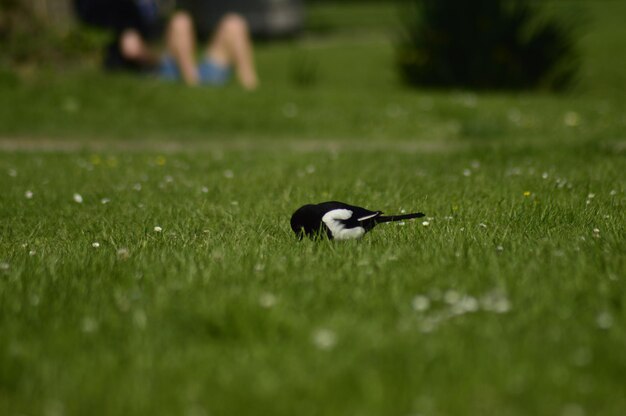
x,y
166,283
147,265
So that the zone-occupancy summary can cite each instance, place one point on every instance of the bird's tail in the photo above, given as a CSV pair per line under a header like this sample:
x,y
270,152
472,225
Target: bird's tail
x,y
391,218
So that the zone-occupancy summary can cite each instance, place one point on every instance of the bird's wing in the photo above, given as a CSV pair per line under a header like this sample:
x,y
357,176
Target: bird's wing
x,y
369,216
341,224
359,214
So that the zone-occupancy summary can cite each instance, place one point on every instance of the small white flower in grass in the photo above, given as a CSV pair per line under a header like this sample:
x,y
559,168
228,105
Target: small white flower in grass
x,y
482,225
324,339
78,198
515,116
467,172
395,111
204,190
573,409
613,192
12,173
105,201
544,175
425,223
34,300
158,229
469,100
229,174
571,119
502,305
451,296
591,196
467,304
137,187
122,254
267,300
196,409
401,223
140,319
500,248
70,105
514,171
32,253
420,303
54,407
429,324
363,263
4,266
496,301
95,244
28,194
89,325
604,320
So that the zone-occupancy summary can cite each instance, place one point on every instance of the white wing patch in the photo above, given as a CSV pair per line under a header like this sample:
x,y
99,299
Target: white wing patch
x,y
338,230
367,217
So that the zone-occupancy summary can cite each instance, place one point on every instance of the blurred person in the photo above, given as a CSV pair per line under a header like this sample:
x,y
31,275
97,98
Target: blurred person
x,y
136,23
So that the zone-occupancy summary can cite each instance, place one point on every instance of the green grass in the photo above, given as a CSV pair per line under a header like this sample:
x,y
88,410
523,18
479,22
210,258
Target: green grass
x,y
181,324
511,301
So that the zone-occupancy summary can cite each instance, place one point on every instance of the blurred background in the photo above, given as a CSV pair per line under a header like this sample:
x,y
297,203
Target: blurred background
x,y
266,17
482,44
382,65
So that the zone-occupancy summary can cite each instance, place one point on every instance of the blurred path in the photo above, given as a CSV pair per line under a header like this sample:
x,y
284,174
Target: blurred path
x,y
295,145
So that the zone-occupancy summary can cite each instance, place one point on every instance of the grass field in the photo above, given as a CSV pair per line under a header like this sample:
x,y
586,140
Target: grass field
x,y
147,266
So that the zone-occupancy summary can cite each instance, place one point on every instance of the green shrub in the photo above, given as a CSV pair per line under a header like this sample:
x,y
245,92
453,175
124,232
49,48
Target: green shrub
x,y
27,39
486,44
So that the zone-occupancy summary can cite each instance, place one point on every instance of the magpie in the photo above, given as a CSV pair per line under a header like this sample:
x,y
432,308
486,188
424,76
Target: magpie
x,y
339,221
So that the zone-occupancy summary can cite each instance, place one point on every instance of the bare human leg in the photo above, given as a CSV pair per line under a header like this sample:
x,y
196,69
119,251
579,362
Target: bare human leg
x,y
181,43
231,45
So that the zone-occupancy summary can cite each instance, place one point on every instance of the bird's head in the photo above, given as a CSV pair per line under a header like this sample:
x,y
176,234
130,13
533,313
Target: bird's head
x,y
306,221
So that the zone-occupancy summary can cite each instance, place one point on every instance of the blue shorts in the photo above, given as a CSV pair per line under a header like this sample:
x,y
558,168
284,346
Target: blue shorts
x,y
209,71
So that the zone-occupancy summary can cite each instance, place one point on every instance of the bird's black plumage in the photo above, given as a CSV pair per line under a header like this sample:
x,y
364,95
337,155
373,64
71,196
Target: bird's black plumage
x,y
338,220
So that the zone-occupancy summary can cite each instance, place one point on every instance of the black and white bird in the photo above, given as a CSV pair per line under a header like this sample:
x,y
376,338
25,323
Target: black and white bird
x,y
339,221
